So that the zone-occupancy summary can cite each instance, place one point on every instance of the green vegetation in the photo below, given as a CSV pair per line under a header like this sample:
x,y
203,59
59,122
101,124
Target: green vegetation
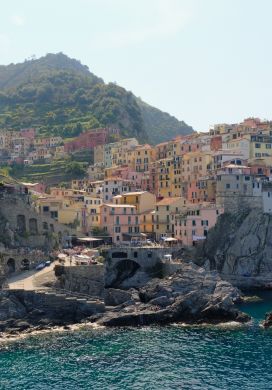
x,y
60,96
60,171
99,232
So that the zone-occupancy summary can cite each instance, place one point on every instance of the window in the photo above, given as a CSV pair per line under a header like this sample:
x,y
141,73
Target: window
x,y
227,186
193,222
268,146
257,146
117,229
167,208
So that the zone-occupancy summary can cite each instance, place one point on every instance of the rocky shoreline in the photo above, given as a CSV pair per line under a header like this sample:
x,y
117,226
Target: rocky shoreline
x,y
191,296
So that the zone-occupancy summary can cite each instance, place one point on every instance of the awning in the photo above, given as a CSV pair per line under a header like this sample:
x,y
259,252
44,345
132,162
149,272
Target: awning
x,y
89,239
170,239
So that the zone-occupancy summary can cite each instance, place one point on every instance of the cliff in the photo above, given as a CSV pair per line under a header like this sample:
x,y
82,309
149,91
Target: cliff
x,y
239,247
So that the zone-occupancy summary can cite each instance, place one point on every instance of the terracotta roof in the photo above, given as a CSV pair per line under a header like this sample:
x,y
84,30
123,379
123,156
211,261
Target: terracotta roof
x,y
168,201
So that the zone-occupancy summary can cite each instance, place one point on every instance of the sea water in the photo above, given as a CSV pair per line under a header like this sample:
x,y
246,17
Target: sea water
x,y
173,357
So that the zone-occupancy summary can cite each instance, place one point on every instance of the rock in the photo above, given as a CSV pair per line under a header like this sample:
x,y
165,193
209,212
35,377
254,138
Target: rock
x,y
253,298
22,325
267,323
11,307
191,295
66,327
162,301
45,321
115,297
239,248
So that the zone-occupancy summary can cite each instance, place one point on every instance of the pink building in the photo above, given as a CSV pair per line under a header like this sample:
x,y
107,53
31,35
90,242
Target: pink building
x,y
87,140
193,192
119,221
35,187
28,133
127,173
194,223
261,169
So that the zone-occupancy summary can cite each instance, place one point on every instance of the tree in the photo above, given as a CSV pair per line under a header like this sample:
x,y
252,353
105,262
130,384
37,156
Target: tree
x,y
75,169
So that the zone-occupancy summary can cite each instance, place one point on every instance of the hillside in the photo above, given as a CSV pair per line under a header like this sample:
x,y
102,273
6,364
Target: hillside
x,y
61,96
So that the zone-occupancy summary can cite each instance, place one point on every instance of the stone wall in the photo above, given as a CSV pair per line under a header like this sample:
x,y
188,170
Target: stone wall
x,y
127,267
57,304
233,203
85,279
26,228
13,260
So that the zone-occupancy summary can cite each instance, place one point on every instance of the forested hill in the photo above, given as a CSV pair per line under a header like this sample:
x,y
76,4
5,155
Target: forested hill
x,y
60,96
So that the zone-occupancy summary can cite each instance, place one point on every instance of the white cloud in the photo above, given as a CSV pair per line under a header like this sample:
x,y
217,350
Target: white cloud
x,y
167,18
17,20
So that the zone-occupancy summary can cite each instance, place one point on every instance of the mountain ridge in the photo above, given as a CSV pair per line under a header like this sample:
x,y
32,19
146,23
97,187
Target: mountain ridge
x,y
61,96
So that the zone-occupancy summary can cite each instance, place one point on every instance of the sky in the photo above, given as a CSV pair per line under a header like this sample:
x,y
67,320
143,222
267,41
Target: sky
x,y
203,61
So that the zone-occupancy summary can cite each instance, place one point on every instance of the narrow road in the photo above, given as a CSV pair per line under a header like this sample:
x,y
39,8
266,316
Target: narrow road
x,y
31,280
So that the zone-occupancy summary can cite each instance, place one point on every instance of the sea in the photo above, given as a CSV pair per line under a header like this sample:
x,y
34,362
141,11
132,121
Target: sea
x,y
172,357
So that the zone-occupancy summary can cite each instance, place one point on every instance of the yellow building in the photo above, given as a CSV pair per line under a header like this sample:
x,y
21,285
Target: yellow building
x,y
49,206
142,200
195,165
176,177
164,216
146,223
163,169
260,146
144,203
144,155
99,154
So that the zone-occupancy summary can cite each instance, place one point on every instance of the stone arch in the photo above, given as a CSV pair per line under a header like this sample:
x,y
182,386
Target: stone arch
x,y
25,264
21,223
11,265
124,269
33,226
